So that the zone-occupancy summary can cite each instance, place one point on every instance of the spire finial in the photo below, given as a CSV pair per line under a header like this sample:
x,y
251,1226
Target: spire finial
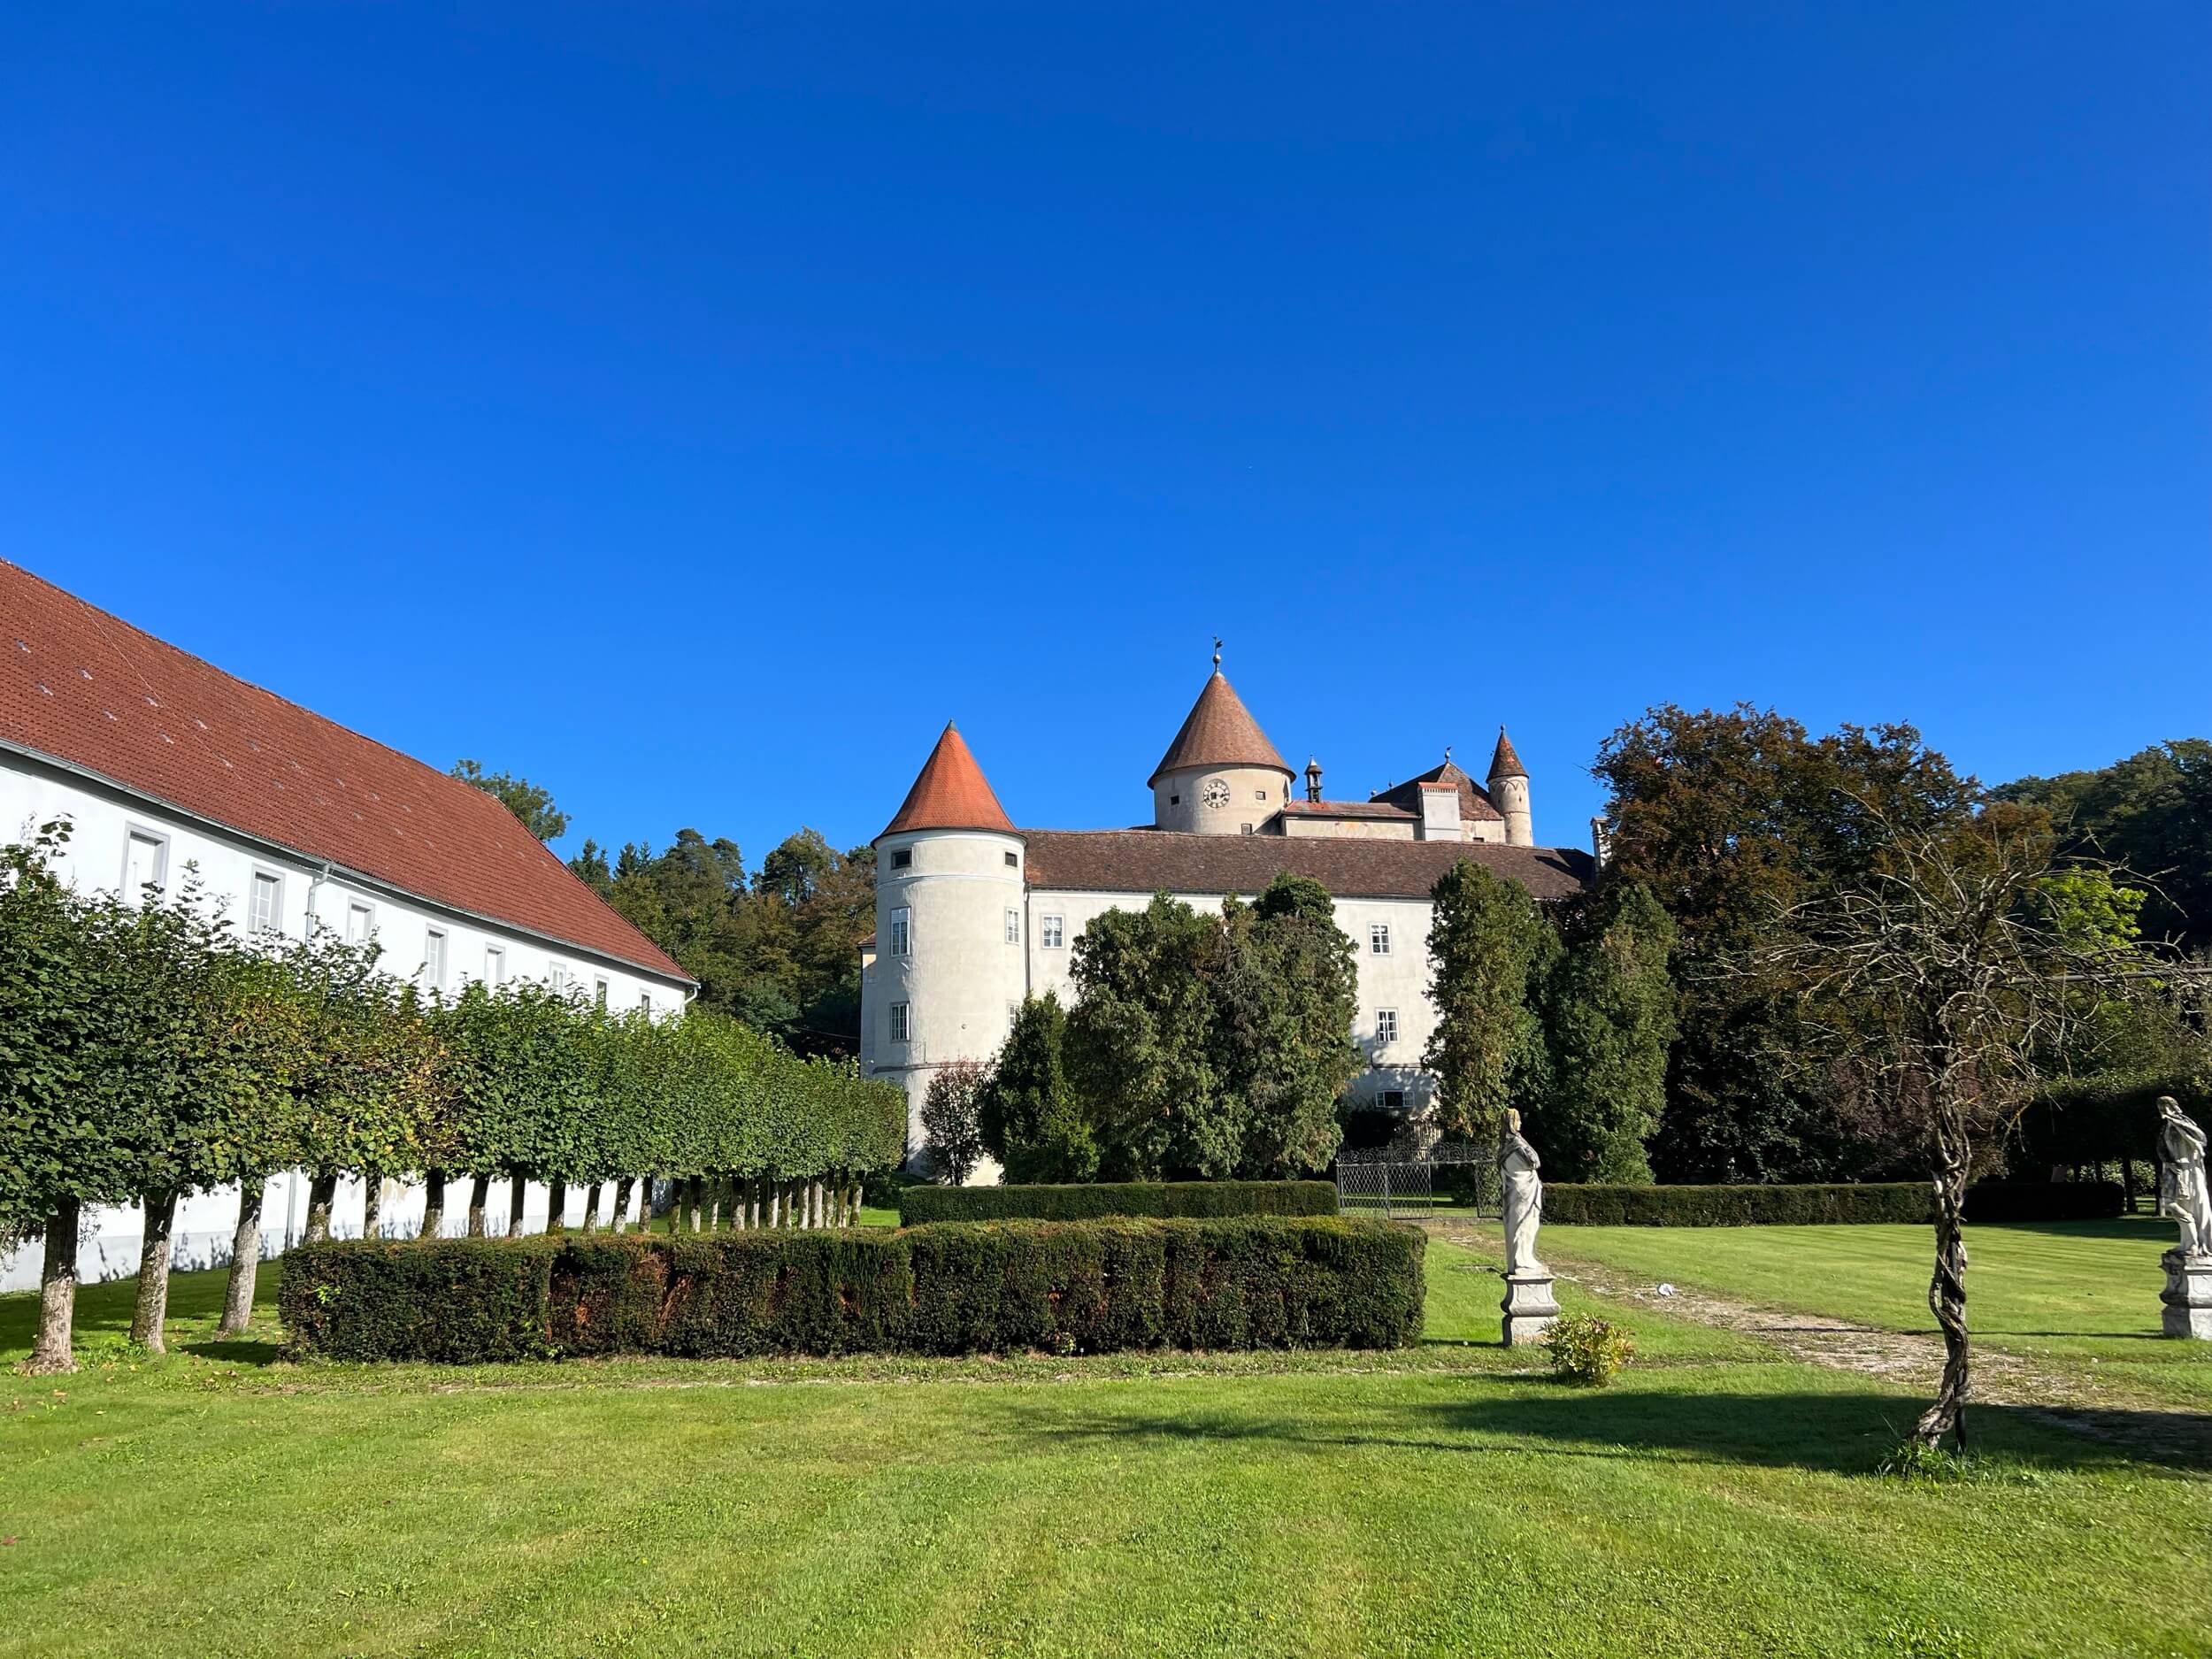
x,y
1447,754
1216,650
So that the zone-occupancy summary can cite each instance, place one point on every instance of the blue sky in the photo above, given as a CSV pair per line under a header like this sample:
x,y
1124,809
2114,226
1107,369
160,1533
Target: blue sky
x,y
693,409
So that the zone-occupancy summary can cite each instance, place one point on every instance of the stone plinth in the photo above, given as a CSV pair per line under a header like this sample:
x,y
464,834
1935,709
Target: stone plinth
x,y
2188,1294
1528,1307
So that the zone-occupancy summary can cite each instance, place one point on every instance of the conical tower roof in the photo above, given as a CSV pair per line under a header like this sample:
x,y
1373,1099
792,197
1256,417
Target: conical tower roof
x,y
1503,762
950,793
1219,731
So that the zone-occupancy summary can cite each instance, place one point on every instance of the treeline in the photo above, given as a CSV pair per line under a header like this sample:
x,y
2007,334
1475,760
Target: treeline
x,y
149,1053
1208,1045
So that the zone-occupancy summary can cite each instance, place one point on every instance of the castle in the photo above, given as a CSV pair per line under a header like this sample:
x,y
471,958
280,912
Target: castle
x,y
972,915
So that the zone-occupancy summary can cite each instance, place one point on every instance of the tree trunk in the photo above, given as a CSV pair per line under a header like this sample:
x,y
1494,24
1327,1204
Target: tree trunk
x,y
150,1317
556,1206
372,1206
245,1259
623,1184
322,1193
433,1204
479,1193
775,1208
518,1194
1946,1289
591,1209
58,1291
694,1194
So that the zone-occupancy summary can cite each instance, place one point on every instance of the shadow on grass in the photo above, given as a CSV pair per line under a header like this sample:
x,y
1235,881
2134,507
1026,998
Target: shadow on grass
x,y
1844,1433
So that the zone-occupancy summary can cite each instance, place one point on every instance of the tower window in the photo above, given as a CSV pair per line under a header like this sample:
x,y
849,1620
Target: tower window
x,y
1386,1025
1247,828
901,920
1378,938
1052,932
900,1022
903,859
1013,927
1013,861
1260,796
1175,799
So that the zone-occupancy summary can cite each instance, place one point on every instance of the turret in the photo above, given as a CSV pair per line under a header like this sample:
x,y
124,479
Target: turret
x,y
949,959
1509,793
1220,776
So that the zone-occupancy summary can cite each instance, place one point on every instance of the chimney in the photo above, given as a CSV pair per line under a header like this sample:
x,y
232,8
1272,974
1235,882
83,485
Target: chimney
x,y
1313,779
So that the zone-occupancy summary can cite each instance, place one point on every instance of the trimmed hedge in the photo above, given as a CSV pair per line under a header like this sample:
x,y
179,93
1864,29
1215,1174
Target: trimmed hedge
x,y
1873,1201
921,1205
1077,1287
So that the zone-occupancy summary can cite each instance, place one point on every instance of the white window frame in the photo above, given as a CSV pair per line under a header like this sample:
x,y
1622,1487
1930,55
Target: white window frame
x,y
495,964
364,908
1013,927
902,931
1386,1027
599,990
1378,939
436,943
902,1022
1052,933
275,922
645,1002
556,977
133,832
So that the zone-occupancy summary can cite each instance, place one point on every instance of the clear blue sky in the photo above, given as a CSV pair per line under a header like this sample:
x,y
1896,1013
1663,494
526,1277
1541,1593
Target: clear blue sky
x,y
692,411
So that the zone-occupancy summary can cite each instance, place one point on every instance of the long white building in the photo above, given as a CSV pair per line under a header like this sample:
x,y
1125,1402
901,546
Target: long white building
x,y
972,914
162,764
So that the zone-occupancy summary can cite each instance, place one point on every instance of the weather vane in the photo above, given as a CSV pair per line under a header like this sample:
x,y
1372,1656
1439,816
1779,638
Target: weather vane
x,y
1216,650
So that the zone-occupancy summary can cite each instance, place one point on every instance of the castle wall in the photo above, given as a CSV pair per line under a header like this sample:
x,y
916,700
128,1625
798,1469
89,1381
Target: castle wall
x,y
1256,794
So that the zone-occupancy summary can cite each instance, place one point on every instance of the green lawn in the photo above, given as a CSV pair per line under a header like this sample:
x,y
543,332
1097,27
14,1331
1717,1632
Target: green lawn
x,y
2080,1296
1448,1500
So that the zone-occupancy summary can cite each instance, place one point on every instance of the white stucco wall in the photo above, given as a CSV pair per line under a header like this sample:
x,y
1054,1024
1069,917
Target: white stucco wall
x,y
33,792
1256,794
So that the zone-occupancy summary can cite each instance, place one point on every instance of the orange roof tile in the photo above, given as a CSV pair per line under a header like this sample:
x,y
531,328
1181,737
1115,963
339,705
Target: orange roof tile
x,y
1218,731
1503,762
950,793
88,689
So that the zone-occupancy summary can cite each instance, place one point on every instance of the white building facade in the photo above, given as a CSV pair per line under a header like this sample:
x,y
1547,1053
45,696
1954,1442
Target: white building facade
x,y
973,915
166,770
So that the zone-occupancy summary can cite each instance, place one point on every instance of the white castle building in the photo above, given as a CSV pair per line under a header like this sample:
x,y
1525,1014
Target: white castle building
x,y
167,769
973,915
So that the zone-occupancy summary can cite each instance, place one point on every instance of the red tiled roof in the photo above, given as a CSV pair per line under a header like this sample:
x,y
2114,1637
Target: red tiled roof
x,y
1503,762
1218,731
1474,802
1345,808
950,793
81,686
1150,861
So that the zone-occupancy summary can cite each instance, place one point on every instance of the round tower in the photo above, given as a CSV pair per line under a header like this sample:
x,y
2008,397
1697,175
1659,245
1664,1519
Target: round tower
x,y
951,961
1509,793
1220,776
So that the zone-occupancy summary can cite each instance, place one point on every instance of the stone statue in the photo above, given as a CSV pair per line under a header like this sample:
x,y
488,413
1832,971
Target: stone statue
x,y
1529,1307
2182,1192
2183,1195
1518,1164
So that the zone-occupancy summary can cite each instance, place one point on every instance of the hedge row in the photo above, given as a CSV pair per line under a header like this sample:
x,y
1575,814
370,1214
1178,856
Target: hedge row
x,y
918,1205
1744,1206
1088,1287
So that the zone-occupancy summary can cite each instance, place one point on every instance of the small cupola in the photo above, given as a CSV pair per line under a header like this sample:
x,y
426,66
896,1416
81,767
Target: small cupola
x,y
1313,780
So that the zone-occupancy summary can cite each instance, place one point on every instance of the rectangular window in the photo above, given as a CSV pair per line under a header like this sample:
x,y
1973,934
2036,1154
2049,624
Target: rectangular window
x,y
901,930
1013,1013
434,960
495,965
1247,828
644,1001
1054,932
599,992
903,859
1260,796
1013,927
1013,861
264,903
1378,938
556,976
360,921
1392,1100
899,1021
145,863
1386,1025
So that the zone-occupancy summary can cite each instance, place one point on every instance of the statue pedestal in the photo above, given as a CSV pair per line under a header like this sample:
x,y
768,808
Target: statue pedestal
x,y
1528,1307
2188,1294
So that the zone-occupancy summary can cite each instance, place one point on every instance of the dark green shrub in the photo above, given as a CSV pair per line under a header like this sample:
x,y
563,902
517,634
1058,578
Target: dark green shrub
x,y
1735,1206
2045,1201
453,1301
1087,1286
920,1206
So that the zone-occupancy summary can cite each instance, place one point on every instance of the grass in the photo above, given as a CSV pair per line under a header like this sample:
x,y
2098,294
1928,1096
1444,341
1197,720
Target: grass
x,y
1448,1500
2079,1296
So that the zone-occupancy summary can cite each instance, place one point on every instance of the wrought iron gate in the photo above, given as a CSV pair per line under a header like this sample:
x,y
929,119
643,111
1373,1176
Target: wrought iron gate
x,y
1452,1177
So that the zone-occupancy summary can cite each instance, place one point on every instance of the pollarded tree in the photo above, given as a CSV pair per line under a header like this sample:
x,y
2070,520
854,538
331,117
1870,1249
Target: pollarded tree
x,y
1490,947
1608,1020
1939,980
954,1136
1027,1116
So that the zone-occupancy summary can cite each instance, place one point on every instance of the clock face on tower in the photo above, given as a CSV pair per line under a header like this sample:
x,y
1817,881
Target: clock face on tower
x,y
1215,794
